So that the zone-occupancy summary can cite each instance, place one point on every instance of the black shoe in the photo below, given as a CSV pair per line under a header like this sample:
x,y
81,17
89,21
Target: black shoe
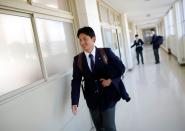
x,y
157,62
128,99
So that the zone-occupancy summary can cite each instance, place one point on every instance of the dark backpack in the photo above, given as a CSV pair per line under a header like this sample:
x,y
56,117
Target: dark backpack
x,y
159,40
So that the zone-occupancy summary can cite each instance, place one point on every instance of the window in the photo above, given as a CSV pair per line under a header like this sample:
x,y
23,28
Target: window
x,y
104,14
19,62
115,43
108,40
111,17
183,5
178,19
21,0
57,4
171,22
183,16
110,23
22,64
111,40
57,45
166,26
117,20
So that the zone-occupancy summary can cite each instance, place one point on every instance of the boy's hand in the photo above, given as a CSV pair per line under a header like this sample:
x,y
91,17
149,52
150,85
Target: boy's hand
x,y
105,82
74,109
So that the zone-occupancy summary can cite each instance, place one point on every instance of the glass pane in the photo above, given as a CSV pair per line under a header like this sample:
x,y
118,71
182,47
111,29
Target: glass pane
x,y
171,23
108,40
115,43
166,25
104,14
111,40
111,17
20,0
115,40
19,63
117,20
57,44
57,4
178,19
183,6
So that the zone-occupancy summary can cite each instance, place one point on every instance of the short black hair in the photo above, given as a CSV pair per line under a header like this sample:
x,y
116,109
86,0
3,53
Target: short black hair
x,y
86,30
136,35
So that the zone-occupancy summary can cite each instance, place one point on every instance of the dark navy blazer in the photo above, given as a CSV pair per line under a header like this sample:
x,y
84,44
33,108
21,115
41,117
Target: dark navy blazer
x,y
154,42
94,93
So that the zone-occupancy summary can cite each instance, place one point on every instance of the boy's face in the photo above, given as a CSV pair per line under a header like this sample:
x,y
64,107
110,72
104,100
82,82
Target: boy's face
x,y
86,42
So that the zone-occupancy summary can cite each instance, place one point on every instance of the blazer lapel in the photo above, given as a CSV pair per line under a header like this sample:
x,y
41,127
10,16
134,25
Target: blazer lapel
x,y
98,59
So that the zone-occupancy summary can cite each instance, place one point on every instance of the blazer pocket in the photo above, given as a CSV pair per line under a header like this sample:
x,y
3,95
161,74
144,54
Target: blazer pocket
x,y
111,94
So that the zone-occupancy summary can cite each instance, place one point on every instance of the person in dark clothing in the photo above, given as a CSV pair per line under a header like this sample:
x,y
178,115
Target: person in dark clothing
x,y
156,46
139,49
102,86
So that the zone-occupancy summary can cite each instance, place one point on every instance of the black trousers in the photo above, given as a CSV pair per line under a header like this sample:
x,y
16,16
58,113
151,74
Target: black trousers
x,y
139,53
156,55
104,120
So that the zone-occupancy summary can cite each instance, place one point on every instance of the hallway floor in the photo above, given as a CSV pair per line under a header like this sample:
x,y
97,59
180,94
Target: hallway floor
x,y
158,96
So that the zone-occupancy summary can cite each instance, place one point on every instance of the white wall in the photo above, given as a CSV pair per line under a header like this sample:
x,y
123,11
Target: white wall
x,y
44,108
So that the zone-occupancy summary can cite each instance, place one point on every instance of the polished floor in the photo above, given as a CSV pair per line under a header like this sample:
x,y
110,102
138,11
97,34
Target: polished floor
x,y
158,96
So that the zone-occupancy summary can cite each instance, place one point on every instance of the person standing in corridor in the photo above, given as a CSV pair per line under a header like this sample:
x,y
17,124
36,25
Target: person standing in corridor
x,y
102,86
139,49
156,46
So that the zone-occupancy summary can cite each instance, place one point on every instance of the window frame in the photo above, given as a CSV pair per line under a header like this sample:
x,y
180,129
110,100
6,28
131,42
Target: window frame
x,y
114,25
171,24
182,8
47,7
26,9
22,89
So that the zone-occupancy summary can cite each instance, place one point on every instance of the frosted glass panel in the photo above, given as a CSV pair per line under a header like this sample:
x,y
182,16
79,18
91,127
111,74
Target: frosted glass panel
x,y
57,4
20,0
104,14
111,17
183,6
57,44
111,40
115,43
115,39
108,40
19,64
117,20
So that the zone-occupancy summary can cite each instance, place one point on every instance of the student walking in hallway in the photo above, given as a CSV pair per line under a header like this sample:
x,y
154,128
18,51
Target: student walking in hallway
x,y
103,87
139,49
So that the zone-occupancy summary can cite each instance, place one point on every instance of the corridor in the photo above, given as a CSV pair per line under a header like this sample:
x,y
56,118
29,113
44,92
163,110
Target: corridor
x,y
157,91
38,43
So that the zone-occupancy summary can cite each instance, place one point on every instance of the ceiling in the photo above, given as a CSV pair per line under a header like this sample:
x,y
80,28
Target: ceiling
x,y
144,13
